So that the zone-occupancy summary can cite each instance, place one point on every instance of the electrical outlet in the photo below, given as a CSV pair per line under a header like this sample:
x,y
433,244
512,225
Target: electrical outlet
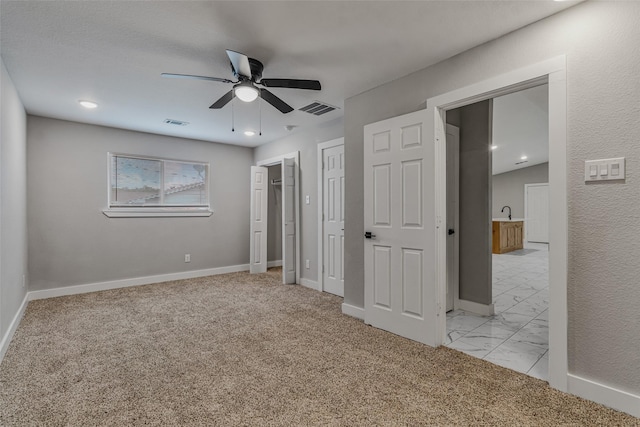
x,y
187,257
306,263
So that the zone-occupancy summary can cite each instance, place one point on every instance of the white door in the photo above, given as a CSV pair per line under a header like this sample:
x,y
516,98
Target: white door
x,y
289,221
537,212
453,190
397,178
333,224
258,227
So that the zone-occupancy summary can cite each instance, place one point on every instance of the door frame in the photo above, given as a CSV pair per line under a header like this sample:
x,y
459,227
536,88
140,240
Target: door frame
x,y
552,72
525,237
456,226
277,160
321,147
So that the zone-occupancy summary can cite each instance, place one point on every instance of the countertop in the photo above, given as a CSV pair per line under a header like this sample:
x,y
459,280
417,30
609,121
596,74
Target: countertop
x,y
507,219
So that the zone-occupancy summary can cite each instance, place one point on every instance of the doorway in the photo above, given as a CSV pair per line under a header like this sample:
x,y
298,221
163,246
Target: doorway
x,y
263,189
552,72
510,137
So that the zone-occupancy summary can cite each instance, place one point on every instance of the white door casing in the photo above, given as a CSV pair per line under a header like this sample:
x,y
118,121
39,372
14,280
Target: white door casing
x,y
279,160
258,217
453,194
397,182
536,212
289,220
333,220
553,72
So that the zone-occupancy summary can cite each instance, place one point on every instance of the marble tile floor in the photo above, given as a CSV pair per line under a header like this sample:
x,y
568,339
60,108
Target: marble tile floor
x,y
517,336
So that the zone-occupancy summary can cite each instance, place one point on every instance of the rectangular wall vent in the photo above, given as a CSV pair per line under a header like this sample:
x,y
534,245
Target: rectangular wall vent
x,y
175,122
318,108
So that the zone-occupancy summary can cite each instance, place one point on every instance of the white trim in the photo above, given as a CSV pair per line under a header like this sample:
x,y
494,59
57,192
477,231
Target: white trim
x,y
353,311
277,263
154,212
608,396
8,336
320,177
475,307
277,160
135,281
308,283
553,72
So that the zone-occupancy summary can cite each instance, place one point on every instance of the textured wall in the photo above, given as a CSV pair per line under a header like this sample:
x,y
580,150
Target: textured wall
x,y
71,242
475,206
13,200
600,40
307,143
508,189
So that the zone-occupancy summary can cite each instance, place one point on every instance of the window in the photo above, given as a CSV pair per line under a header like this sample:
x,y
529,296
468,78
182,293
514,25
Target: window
x,y
147,186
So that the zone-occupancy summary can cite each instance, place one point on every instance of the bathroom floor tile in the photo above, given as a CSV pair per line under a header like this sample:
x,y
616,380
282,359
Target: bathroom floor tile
x,y
517,336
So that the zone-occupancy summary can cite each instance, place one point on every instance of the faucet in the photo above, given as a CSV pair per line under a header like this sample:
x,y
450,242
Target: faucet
x,y
509,211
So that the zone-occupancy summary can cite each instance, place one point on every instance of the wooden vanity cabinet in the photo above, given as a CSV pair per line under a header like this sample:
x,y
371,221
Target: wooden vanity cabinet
x,y
507,236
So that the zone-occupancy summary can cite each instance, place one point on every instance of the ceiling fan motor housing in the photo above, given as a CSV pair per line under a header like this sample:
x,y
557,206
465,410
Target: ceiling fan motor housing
x,y
256,70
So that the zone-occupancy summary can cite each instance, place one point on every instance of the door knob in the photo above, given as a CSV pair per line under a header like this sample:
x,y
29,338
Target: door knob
x,y
369,235
451,231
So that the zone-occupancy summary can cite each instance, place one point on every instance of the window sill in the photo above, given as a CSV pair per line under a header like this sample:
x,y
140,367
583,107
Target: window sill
x,y
156,212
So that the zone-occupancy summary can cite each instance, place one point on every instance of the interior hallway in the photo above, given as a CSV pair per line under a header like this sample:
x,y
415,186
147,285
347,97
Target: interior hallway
x,y
517,336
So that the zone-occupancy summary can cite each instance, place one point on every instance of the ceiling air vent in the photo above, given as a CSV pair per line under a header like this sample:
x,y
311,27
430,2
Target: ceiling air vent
x,y
318,108
175,122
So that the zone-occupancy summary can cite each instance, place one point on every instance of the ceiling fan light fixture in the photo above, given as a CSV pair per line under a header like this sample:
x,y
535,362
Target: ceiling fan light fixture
x,y
246,92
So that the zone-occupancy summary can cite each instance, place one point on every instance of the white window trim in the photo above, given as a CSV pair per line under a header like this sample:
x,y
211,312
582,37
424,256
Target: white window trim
x,y
155,211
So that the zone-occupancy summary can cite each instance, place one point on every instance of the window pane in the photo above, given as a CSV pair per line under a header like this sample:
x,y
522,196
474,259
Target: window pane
x,y
185,183
135,182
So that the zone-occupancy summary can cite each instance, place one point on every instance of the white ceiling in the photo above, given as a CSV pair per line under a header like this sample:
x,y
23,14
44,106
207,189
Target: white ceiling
x,y
521,128
113,52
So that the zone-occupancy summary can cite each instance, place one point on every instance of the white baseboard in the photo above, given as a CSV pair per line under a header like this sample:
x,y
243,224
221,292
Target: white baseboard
x,y
309,284
477,308
136,281
353,311
605,395
6,339
277,263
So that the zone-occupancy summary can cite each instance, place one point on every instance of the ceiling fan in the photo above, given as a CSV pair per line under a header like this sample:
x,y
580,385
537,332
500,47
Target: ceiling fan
x,y
248,71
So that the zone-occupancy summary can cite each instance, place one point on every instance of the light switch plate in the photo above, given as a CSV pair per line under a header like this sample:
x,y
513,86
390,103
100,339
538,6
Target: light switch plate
x,y
605,170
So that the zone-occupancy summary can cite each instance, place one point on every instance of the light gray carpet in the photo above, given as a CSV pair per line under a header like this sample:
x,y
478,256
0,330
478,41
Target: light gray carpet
x,y
237,349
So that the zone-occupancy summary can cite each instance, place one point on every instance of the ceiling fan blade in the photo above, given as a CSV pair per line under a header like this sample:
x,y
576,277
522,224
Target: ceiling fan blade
x,y
224,100
189,76
275,101
240,63
292,83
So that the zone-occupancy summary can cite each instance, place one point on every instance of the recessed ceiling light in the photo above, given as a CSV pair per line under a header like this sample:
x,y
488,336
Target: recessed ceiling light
x,y
523,158
493,147
88,104
249,132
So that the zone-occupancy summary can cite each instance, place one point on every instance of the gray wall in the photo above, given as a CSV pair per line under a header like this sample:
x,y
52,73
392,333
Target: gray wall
x,y
508,188
71,242
600,40
274,221
475,202
13,201
307,143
